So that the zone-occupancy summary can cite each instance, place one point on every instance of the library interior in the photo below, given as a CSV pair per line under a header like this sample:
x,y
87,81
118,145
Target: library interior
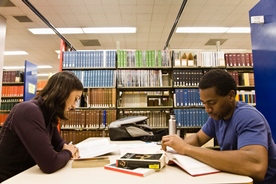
x,y
137,58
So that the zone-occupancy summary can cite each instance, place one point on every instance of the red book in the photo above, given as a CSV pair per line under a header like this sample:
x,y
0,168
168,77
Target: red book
x,y
142,172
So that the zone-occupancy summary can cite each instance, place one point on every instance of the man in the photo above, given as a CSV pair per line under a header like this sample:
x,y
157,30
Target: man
x,y
242,132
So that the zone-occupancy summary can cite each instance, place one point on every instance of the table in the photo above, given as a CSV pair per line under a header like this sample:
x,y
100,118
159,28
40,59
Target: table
x,y
99,175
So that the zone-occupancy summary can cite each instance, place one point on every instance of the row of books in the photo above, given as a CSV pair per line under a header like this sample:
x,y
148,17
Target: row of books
x,y
246,96
187,97
238,59
7,104
156,119
187,77
3,117
142,99
13,76
149,78
80,135
244,78
202,59
183,78
89,59
153,58
12,91
101,97
96,78
83,119
161,101
194,117
41,84
190,97
143,58
139,78
211,59
133,100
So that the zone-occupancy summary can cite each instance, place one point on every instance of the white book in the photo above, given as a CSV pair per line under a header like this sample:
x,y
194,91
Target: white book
x,y
96,147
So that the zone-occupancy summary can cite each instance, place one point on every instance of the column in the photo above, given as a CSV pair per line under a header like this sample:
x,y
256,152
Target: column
x,y
2,49
263,39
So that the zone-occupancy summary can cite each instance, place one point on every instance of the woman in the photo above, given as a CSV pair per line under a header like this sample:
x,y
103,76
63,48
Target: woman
x,y
30,136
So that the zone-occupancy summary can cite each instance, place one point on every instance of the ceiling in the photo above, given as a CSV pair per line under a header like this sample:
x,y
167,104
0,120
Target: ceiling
x,y
153,18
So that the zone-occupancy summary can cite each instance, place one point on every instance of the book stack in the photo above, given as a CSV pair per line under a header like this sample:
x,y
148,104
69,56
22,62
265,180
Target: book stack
x,y
138,164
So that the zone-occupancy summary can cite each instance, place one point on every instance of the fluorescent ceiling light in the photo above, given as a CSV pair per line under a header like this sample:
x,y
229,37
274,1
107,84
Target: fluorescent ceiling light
x,y
43,74
238,30
44,66
213,30
13,67
12,53
201,29
22,67
42,31
70,30
93,30
60,30
103,30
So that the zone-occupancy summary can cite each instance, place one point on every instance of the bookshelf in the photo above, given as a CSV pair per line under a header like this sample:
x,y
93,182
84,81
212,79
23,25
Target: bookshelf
x,y
12,92
96,69
149,83
189,66
17,86
144,85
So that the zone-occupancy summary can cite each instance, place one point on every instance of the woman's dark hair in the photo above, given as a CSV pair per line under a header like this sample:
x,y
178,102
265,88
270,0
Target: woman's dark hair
x,y
58,90
220,79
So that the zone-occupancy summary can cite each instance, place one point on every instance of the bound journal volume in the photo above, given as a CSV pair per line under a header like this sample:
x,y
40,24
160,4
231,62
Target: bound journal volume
x,y
90,162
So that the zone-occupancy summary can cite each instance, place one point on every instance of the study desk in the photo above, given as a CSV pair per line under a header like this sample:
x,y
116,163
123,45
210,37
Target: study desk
x,y
99,175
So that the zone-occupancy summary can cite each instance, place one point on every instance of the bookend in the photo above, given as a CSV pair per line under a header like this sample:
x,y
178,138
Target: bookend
x,y
134,128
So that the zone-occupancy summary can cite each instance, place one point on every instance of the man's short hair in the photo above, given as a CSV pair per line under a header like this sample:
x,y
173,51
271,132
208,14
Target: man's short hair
x,y
220,79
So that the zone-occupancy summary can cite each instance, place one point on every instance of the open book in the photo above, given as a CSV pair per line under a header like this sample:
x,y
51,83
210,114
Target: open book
x,y
96,147
189,164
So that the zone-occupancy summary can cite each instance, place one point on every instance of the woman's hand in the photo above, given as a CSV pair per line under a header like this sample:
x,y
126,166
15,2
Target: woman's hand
x,y
73,149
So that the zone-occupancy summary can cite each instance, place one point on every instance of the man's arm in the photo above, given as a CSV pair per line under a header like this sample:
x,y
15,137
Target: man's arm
x,y
250,160
197,139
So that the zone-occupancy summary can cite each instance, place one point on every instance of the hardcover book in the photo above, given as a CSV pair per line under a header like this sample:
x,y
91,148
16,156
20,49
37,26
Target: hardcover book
x,y
90,162
135,160
136,172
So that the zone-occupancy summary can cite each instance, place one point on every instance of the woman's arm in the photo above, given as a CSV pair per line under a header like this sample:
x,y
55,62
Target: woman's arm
x,y
36,138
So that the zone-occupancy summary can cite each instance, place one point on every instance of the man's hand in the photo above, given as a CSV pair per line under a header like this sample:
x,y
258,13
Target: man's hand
x,y
175,142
